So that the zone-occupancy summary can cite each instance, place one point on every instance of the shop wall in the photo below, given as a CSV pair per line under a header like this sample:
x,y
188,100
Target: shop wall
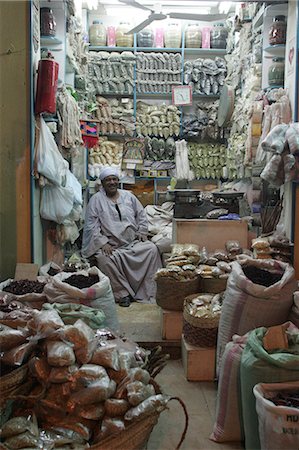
x,y
15,226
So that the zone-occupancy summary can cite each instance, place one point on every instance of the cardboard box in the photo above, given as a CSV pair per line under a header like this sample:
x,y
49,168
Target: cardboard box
x,y
171,324
198,362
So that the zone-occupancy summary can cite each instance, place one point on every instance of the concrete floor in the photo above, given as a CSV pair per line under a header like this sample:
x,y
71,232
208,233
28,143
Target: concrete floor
x,y
141,323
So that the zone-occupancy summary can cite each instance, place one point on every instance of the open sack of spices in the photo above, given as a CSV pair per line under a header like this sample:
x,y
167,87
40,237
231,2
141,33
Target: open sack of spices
x,y
201,316
89,389
259,293
30,292
179,278
88,287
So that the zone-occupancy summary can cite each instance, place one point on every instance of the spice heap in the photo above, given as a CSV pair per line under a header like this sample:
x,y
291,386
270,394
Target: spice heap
x,y
22,287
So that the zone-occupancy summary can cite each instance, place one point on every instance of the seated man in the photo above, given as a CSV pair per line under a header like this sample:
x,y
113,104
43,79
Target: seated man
x,y
115,234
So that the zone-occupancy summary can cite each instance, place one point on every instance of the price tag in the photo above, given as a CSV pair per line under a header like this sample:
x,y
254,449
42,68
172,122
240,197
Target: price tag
x,y
275,338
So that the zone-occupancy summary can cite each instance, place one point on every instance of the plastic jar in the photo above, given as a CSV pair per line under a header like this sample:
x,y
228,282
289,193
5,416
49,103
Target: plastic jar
x,y
97,33
122,39
276,72
47,22
193,36
145,38
219,35
278,31
173,36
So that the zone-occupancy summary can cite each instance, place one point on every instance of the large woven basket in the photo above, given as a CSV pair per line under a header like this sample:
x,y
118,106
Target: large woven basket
x,y
199,331
213,285
134,437
171,293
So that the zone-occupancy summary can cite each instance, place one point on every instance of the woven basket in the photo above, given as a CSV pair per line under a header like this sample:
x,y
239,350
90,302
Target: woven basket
x,y
136,434
199,331
213,285
134,437
171,293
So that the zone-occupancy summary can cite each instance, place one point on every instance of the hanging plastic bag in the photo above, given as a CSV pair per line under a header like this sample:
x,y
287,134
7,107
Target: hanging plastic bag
x,y
73,183
49,161
56,203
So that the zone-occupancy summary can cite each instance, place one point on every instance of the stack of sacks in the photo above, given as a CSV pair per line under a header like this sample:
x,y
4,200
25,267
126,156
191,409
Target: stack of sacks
x,y
182,263
159,149
160,121
115,117
207,160
204,122
90,386
106,153
205,76
218,264
111,72
158,72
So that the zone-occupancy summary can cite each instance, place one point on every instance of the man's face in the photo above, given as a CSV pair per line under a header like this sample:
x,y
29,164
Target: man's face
x,y
110,184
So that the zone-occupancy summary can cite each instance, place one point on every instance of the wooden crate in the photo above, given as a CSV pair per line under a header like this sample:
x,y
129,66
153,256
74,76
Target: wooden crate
x,y
171,324
198,362
211,234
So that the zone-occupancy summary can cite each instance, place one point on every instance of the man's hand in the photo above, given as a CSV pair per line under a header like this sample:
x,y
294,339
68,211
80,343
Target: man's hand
x,y
107,249
142,237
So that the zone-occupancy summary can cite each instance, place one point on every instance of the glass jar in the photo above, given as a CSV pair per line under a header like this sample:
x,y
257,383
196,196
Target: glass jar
x,y
97,33
276,72
122,39
193,36
278,31
47,22
173,36
145,38
219,35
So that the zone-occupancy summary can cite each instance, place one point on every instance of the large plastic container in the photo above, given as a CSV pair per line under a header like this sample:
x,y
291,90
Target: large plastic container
x,y
276,72
193,36
97,33
173,36
47,22
122,39
278,31
145,38
219,35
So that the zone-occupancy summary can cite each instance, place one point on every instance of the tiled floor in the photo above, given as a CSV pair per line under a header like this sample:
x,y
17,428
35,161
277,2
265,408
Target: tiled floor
x,y
199,398
141,323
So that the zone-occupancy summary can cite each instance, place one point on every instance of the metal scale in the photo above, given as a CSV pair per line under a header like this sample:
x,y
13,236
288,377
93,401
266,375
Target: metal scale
x,y
227,200
189,204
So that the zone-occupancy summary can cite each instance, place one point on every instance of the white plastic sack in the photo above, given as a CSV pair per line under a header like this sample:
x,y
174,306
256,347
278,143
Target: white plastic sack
x,y
56,203
276,139
44,270
292,136
73,183
247,305
50,163
99,295
34,300
278,425
228,425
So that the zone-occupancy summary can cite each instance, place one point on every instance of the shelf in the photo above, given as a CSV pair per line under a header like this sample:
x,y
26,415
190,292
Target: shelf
x,y
197,95
116,94
275,50
205,51
49,40
275,86
158,49
154,94
97,48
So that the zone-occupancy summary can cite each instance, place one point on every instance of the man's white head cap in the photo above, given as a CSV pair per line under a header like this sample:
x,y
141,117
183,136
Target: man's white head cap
x,y
107,172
